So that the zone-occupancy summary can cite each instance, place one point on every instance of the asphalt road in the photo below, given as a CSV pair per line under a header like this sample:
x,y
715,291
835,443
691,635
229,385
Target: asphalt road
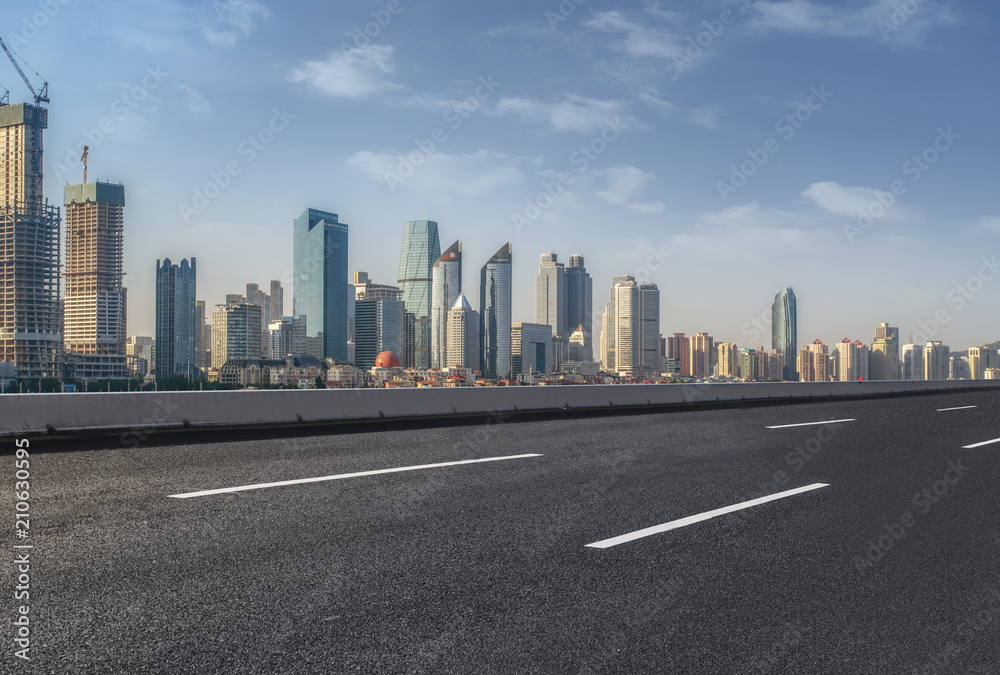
x,y
893,567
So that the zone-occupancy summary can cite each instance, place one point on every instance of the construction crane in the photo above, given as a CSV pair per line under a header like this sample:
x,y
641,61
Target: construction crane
x,y
86,150
40,97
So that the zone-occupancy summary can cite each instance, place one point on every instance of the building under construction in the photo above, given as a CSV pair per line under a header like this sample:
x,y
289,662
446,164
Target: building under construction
x,y
30,323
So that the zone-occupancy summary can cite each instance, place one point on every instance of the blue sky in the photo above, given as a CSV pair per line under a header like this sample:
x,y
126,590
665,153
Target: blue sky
x,y
728,146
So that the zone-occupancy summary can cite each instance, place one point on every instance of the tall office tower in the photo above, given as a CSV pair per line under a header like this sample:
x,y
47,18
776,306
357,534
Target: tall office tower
x,y
958,368
236,334
279,335
885,353
176,316
233,299
763,364
579,296
608,326
463,335
530,348
495,293
728,363
700,349
550,295
277,303
627,327
848,361
913,362
785,331
202,340
321,288
814,362
936,361
581,347
256,296
380,324
94,304
678,349
649,328
421,247
408,356
864,360
749,360
981,359
31,328
446,286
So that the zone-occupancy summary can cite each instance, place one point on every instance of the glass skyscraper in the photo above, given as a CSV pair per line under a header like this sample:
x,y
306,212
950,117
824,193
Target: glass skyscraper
x,y
176,314
321,283
579,296
495,290
421,248
784,332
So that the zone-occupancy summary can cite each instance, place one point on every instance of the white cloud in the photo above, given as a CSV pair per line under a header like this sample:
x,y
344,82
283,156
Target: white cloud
x,y
987,224
880,19
571,113
639,40
707,117
440,175
194,100
843,200
624,184
646,207
234,21
355,73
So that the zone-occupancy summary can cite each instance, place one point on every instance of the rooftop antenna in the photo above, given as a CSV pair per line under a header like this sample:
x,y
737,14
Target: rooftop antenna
x,y
86,150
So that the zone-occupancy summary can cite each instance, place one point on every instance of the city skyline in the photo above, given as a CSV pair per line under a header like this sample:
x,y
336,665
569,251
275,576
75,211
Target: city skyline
x,y
784,225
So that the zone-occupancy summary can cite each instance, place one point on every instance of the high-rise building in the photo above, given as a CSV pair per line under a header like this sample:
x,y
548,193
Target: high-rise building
x,y
550,295
531,348
649,328
579,296
140,354
176,318
609,328
937,358
421,248
280,338
408,357
864,360
982,359
814,362
628,327
580,346
785,331
700,348
31,326
679,350
202,335
94,304
236,334
463,335
446,286
749,368
885,353
380,324
913,362
321,283
848,361
277,303
495,293
728,360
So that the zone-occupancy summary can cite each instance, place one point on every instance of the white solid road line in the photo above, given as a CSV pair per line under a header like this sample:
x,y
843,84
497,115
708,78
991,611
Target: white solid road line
x,y
810,424
964,407
690,520
979,445
260,486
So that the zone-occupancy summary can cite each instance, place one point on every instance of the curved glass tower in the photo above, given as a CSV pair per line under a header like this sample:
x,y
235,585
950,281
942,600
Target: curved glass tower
x,y
421,248
494,316
784,332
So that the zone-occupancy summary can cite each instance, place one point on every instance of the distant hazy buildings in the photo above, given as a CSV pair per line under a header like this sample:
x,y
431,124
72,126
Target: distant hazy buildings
x,y
885,353
700,348
814,362
236,334
446,286
380,324
727,360
848,361
579,297
636,328
679,353
982,359
321,283
94,304
421,247
785,331
495,296
913,362
550,295
176,318
609,326
581,347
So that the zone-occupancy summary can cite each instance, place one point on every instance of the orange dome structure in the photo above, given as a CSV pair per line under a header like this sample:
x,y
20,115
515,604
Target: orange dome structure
x,y
387,360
